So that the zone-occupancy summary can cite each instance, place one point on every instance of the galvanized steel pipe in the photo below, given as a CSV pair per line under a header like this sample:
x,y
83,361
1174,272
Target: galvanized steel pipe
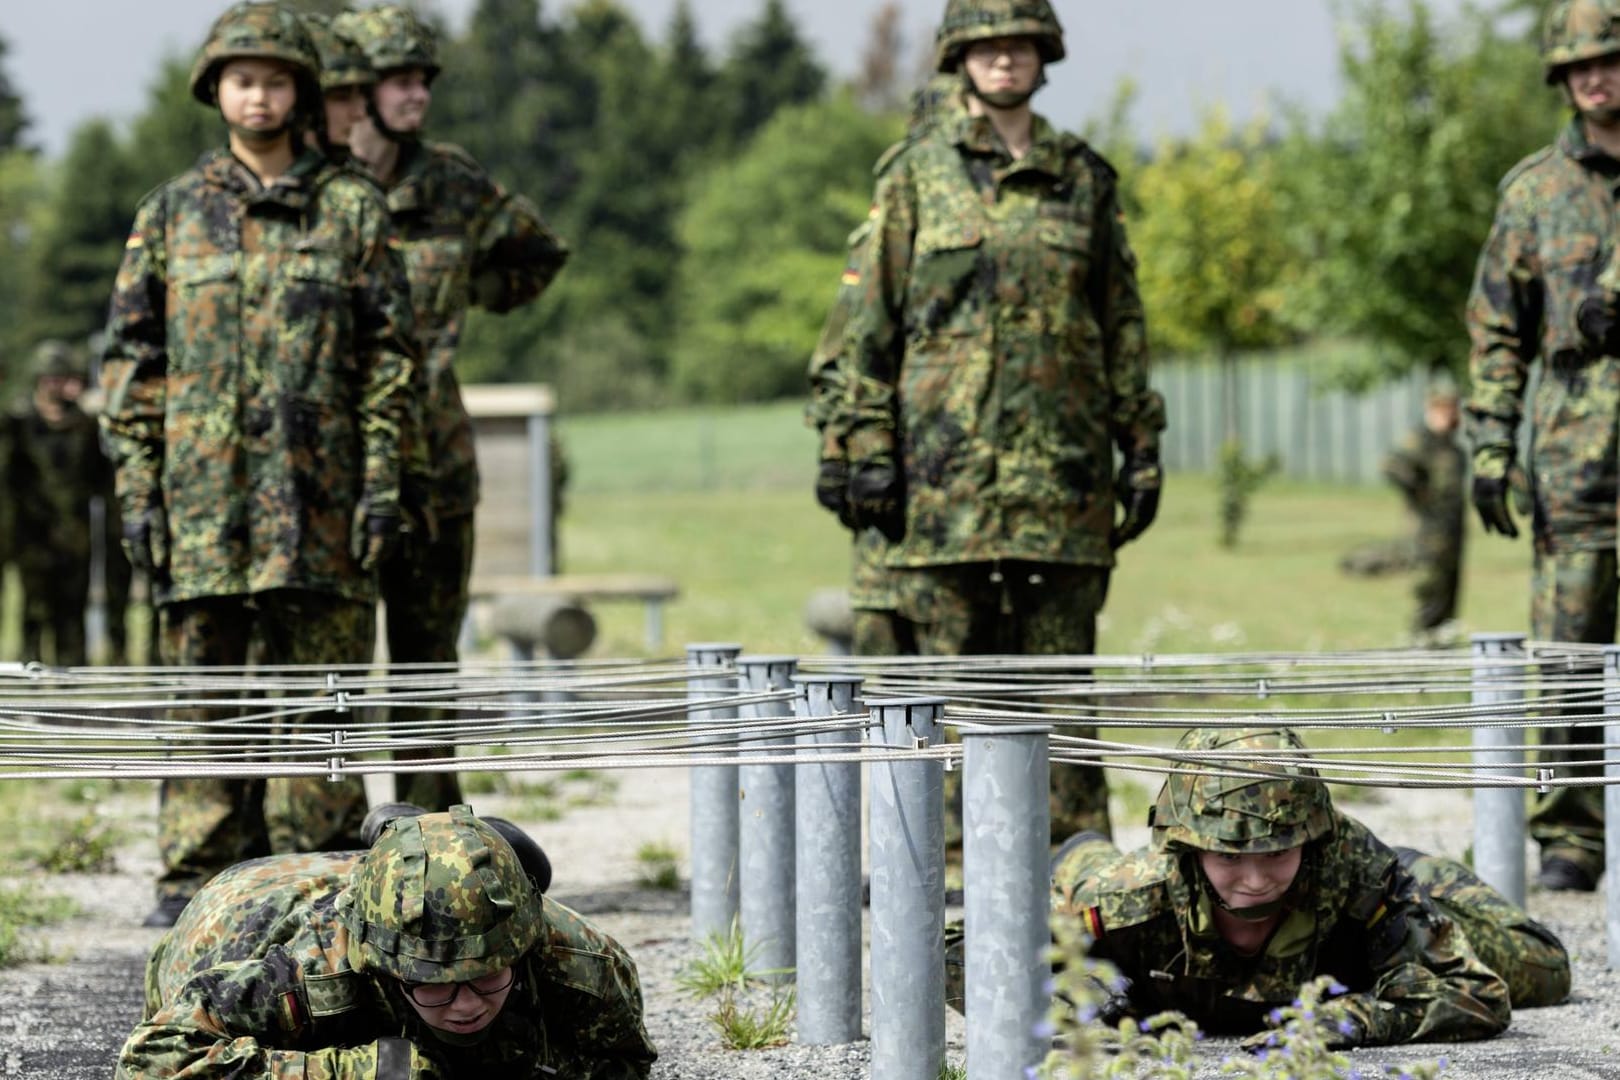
x,y
1499,812
765,825
713,802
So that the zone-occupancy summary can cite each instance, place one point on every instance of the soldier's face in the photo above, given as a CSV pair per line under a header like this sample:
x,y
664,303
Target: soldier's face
x,y
1007,65
345,107
472,1008
1247,880
1594,89
257,95
403,96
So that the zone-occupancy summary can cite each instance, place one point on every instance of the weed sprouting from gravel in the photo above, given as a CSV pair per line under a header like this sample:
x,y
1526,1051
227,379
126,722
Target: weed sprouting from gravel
x,y
743,1028
26,907
659,870
85,846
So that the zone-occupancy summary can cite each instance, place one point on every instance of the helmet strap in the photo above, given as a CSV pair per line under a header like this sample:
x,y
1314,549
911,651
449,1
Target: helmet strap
x,y
403,138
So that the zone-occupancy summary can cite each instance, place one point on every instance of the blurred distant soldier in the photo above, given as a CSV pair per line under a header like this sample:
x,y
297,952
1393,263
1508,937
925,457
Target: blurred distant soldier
x,y
347,79
62,469
998,359
1429,468
467,242
1536,294
879,628
9,487
258,372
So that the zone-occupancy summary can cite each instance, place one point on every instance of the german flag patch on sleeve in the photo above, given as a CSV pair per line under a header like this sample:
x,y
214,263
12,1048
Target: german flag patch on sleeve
x,y
1092,917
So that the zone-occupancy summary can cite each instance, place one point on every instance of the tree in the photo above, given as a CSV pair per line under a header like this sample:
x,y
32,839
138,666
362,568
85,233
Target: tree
x,y
765,237
22,207
13,121
769,66
878,83
1393,197
1214,263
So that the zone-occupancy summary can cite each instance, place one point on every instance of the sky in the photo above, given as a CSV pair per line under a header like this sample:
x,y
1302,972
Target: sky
x,y
75,59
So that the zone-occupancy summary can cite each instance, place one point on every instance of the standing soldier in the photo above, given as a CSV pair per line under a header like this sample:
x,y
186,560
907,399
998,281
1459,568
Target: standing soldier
x,y
62,469
466,242
8,503
1536,293
257,374
998,358
1428,467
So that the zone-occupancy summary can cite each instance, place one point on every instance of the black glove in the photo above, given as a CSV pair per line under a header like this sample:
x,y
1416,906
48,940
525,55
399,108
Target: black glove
x,y
1595,318
877,498
1494,476
374,538
416,507
1140,480
832,489
146,542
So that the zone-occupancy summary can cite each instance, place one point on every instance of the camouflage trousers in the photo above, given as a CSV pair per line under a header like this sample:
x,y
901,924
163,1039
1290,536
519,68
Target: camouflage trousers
x,y
1015,609
117,577
207,824
1439,571
56,590
424,592
1573,599
883,633
1528,956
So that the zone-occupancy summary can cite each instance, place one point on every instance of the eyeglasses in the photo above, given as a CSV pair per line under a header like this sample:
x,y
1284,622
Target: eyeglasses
x,y
438,995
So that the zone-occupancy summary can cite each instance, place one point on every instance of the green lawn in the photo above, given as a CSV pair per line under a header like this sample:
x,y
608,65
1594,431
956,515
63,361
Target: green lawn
x,y
721,502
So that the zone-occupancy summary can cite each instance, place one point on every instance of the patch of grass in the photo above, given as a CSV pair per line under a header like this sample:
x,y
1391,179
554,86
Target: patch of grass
x,y
537,809
743,1028
85,846
658,867
952,1071
726,966
25,907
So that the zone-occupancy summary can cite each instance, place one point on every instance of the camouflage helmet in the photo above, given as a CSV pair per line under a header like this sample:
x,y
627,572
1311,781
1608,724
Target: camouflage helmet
x,y
1201,809
56,358
343,61
440,898
265,31
1578,30
393,37
967,21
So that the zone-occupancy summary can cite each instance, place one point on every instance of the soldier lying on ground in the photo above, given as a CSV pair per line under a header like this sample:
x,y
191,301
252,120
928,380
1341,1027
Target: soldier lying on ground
x,y
431,955
1256,886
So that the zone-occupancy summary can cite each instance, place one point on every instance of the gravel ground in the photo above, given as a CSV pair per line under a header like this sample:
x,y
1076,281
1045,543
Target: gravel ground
x,y
64,1020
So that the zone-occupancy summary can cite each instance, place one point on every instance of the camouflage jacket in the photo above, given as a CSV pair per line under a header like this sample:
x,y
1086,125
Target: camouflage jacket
x,y
254,981
465,241
1555,216
258,372
1358,916
59,469
998,346
1431,471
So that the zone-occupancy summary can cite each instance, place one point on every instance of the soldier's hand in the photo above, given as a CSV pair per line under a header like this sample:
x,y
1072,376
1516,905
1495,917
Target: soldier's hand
x,y
374,538
832,489
1494,474
1141,479
146,542
401,1059
416,506
877,497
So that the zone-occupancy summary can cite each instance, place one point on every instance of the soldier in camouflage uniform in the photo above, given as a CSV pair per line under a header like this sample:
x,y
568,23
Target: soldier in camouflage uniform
x,y
431,956
998,359
1255,886
467,242
60,469
1536,295
1429,468
258,373
8,501
347,79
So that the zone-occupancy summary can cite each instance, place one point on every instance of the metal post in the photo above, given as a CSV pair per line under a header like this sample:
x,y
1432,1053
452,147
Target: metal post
x,y
542,560
827,842
1499,812
1611,798
714,795
907,840
765,823
1007,879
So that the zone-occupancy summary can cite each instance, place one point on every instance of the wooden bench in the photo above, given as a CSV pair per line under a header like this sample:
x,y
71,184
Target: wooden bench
x,y
652,590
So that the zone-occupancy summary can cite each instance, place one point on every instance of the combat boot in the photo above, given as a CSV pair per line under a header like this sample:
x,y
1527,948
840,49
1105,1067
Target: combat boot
x,y
1559,874
167,912
379,816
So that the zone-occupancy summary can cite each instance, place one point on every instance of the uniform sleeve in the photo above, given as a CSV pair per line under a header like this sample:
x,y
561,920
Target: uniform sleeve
x,y
134,371
874,341
384,333
1504,319
1405,468
1429,986
238,1021
611,1041
827,410
517,253
1136,410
